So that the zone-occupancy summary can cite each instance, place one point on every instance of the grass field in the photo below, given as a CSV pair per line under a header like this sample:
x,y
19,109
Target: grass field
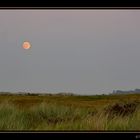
x,y
64,112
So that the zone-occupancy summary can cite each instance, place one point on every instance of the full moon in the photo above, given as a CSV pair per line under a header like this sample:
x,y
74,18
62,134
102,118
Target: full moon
x,y
26,45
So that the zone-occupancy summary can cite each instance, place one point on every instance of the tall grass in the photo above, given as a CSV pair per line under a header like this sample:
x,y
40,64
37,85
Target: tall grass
x,y
48,116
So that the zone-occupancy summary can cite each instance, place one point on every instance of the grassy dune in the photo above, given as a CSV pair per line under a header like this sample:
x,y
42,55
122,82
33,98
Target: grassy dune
x,y
57,112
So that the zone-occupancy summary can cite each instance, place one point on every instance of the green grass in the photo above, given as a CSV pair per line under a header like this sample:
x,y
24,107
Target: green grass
x,y
69,112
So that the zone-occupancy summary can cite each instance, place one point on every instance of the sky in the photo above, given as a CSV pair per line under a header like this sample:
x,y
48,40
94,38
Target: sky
x,y
79,51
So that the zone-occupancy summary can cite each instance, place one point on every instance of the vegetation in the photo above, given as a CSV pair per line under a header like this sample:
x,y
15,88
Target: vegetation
x,y
69,112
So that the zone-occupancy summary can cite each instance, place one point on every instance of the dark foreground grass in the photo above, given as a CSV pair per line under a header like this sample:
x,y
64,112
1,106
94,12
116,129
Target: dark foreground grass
x,y
41,117
53,117
69,113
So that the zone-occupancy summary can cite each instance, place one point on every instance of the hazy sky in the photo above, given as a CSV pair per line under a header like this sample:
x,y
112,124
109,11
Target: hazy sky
x,y
80,51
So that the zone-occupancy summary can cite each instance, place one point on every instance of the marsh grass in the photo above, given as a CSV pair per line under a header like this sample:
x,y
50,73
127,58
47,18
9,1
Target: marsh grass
x,y
54,116
48,115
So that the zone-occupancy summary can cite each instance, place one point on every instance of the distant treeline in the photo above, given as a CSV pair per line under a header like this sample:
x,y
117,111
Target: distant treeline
x,y
37,94
125,92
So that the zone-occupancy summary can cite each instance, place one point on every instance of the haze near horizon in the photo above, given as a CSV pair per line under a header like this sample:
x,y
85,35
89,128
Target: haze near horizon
x,y
79,51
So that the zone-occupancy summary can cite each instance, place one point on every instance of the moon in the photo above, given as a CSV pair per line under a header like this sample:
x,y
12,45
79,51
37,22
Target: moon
x,y
26,45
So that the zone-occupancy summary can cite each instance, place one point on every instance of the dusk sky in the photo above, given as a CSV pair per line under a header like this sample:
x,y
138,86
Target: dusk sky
x,y
79,51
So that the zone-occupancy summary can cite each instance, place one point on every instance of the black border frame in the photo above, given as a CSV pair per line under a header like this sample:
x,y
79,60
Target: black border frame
x,y
68,134
71,135
71,4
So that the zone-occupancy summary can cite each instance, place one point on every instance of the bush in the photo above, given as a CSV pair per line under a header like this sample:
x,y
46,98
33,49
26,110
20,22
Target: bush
x,y
121,109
